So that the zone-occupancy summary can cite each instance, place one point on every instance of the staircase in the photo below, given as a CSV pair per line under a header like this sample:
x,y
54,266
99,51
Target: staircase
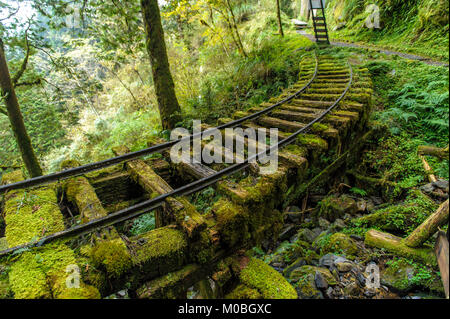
x,y
319,21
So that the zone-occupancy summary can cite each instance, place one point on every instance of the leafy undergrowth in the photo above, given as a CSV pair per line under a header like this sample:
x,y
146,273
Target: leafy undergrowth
x,y
418,26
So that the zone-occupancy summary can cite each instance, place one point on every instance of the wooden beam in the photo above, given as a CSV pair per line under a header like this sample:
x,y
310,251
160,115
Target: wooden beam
x,y
429,227
441,251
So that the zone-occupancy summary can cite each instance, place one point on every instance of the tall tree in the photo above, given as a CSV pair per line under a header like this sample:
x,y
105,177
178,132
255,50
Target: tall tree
x,y
8,94
169,109
280,26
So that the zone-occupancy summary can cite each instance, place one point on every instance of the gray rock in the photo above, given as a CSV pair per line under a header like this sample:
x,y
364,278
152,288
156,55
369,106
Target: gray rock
x,y
320,281
343,265
296,264
370,292
293,217
287,232
329,292
427,188
323,223
442,184
293,209
361,205
317,231
352,289
338,225
356,237
327,260
306,234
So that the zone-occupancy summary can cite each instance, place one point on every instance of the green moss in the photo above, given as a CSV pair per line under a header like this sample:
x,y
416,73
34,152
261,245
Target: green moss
x,y
5,291
202,250
3,243
269,283
243,292
232,222
312,142
297,150
30,215
401,218
170,286
403,275
300,272
27,279
424,255
80,192
12,177
333,207
160,250
42,273
69,164
342,244
113,255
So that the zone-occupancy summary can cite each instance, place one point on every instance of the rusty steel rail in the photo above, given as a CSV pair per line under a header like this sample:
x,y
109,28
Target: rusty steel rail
x,y
71,172
144,207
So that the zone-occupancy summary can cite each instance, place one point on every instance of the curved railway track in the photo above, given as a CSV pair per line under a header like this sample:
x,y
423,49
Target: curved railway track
x,y
316,99
143,207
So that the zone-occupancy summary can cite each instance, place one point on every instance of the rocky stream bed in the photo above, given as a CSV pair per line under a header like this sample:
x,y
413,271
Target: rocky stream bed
x,y
321,249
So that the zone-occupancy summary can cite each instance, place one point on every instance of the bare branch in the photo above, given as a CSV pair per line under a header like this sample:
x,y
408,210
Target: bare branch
x,y
29,83
23,67
11,14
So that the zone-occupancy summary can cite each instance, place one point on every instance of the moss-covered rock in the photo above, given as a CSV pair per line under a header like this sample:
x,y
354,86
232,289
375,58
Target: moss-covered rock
x,y
401,218
342,244
268,282
298,273
5,291
333,207
403,275
243,292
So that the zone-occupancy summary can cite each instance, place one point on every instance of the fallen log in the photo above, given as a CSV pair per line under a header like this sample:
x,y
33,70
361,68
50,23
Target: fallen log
x,y
428,227
441,250
397,246
431,177
441,153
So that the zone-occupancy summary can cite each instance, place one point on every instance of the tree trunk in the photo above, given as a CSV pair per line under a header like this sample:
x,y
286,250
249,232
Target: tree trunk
x,y
429,227
280,26
16,119
169,108
241,46
441,153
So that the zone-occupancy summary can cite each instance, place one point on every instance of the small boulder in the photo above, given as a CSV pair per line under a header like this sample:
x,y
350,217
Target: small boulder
x,y
341,243
287,232
343,265
333,207
306,234
320,281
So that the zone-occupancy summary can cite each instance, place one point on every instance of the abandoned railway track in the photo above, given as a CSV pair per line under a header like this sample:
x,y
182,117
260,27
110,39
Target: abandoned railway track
x,y
330,102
